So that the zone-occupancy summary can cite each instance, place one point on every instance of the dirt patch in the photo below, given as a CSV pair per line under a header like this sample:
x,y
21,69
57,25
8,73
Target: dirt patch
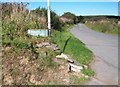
x,y
19,69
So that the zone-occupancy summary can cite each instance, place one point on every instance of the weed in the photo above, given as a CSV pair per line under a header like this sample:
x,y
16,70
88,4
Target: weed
x,y
47,61
88,72
46,55
14,72
77,80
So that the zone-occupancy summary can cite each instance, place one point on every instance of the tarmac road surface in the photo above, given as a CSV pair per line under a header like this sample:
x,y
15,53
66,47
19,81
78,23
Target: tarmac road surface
x,y
105,49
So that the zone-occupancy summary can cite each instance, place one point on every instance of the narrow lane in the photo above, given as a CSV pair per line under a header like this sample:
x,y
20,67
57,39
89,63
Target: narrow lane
x,y
105,48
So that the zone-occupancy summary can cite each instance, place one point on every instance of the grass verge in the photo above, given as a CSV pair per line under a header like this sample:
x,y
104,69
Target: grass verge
x,y
108,28
74,47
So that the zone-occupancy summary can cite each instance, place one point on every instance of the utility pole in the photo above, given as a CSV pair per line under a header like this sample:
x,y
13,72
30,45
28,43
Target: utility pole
x,y
49,19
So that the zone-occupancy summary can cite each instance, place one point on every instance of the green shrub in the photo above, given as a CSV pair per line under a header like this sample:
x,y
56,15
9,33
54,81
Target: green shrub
x,y
71,16
55,22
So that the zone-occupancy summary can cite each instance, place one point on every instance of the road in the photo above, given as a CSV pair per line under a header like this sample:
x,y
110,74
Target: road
x,y
105,49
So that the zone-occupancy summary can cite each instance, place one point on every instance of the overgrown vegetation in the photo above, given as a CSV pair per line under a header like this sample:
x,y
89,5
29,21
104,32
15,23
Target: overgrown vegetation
x,y
19,49
16,20
23,62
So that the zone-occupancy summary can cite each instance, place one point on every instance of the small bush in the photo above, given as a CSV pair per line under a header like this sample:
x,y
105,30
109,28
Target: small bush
x,y
73,17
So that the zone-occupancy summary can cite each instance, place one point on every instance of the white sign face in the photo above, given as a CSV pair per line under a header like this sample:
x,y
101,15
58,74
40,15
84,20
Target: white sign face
x,y
40,32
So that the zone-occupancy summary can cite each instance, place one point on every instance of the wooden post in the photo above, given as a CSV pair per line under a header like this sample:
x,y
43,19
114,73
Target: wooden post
x,y
49,19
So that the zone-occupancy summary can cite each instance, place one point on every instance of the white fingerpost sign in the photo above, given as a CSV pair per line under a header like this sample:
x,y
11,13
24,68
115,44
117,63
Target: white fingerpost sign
x,y
42,32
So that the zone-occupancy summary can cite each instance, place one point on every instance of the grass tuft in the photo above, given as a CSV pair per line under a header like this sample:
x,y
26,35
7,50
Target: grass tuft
x,y
88,72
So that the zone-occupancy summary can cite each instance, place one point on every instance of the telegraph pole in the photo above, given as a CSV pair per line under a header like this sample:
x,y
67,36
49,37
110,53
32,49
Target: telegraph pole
x,y
49,19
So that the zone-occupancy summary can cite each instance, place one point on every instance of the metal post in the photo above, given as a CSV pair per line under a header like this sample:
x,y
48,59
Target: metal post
x,y
49,19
